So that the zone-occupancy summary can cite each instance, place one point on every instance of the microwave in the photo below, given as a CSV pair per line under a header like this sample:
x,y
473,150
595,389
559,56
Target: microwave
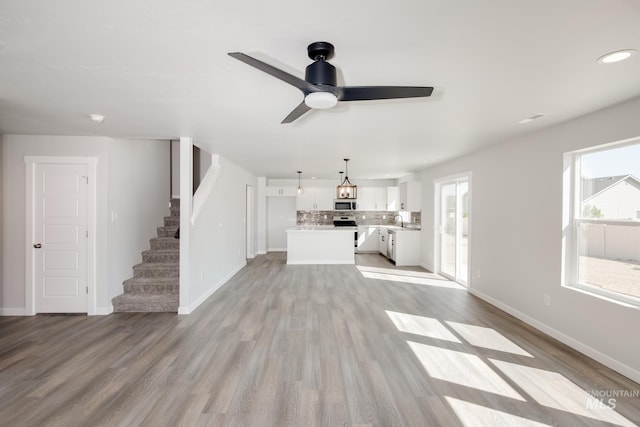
x,y
344,205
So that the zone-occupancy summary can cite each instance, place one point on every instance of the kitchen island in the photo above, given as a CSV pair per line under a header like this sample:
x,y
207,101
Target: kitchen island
x,y
320,245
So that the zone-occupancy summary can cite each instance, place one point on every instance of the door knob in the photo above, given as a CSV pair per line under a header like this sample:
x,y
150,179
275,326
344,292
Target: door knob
x,y
37,245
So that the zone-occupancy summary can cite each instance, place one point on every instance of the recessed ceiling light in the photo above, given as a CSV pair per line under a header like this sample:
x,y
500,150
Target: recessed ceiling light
x,y
617,56
532,118
98,118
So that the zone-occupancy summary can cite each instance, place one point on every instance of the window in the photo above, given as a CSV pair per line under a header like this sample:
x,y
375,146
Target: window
x,y
602,222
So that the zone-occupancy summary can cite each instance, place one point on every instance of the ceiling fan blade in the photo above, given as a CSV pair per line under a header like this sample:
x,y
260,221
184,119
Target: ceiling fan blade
x,y
303,85
364,93
297,112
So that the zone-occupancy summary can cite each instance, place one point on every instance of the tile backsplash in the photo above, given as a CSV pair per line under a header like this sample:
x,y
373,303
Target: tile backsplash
x,y
411,219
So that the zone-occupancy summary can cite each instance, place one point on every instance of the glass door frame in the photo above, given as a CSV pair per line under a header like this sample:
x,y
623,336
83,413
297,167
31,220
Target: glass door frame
x,y
440,183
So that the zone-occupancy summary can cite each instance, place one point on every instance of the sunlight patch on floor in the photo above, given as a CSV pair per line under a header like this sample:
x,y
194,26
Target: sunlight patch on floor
x,y
480,336
555,391
473,415
419,325
461,368
405,276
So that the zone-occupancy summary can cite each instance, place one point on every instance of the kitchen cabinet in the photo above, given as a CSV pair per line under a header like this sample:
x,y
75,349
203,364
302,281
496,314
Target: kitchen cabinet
x,y
410,199
315,199
393,199
377,199
382,241
281,191
367,239
406,247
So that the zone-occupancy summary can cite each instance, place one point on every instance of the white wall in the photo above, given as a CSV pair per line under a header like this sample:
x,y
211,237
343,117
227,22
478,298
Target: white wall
x,y
281,213
175,173
516,240
139,197
261,229
136,170
216,243
3,182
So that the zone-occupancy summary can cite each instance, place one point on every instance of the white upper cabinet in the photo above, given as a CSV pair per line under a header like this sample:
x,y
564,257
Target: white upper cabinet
x,y
273,191
410,199
315,199
375,199
393,199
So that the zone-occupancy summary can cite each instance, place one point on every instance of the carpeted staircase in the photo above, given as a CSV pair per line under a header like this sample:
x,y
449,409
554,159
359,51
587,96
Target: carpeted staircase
x,y
154,286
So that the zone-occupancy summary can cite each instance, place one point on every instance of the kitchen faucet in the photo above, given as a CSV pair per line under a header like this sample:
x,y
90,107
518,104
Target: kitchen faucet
x,y
401,220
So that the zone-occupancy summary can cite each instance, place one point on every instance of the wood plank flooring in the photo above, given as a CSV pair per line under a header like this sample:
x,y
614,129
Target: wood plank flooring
x,y
278,345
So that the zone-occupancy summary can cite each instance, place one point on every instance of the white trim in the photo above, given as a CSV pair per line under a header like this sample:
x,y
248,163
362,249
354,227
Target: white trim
x,y
211,291
609,362
438,182
186,200
103,311
572,218
12,311
249,222
91,163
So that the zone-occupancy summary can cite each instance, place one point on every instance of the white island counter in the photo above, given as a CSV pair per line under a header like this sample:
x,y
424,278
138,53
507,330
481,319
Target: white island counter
x,y
320,245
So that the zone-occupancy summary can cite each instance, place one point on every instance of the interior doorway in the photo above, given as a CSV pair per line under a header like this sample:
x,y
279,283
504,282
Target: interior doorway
x,y
453,216
60,211
251,253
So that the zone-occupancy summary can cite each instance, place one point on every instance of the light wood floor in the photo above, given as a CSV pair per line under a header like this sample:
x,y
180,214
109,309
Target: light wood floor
x,y
286,345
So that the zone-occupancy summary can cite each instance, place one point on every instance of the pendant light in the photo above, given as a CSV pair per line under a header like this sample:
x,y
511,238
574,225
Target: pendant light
x,y
346,190
300,189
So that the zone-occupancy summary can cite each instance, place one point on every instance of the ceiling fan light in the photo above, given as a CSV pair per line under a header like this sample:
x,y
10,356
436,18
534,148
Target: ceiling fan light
x,y
320,100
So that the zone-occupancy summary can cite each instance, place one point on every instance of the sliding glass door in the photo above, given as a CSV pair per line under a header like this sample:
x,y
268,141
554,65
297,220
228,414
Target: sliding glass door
x,y
453,217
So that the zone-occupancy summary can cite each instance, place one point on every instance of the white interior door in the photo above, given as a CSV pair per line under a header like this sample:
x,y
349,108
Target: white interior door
x,y
454,218
60,232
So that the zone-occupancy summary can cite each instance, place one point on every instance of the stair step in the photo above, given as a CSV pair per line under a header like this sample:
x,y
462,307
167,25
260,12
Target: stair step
x,y
161,255
165,243
152,285
155,286
172,221
146,303
157,269
165,231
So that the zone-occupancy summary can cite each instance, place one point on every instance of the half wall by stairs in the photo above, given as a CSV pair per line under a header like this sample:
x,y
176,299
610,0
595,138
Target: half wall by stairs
x,y
154,286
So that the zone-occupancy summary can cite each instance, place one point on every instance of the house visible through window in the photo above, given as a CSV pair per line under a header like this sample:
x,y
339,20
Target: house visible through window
x,y
602,247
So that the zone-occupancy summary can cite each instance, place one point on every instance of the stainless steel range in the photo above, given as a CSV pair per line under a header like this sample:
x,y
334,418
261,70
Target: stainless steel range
x,y
344,221
347,221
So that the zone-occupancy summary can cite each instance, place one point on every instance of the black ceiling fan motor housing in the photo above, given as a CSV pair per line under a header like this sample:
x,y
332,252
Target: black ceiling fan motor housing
x,y
320,72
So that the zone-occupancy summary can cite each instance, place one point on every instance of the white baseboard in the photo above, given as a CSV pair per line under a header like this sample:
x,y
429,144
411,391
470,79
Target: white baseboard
x,y
609,362
103,311
12,311
189,309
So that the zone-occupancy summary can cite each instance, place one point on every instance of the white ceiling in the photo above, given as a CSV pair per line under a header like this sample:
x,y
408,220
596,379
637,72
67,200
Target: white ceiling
x,y
159,69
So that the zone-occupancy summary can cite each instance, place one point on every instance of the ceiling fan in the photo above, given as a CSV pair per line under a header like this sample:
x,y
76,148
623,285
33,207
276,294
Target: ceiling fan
x,y
319,86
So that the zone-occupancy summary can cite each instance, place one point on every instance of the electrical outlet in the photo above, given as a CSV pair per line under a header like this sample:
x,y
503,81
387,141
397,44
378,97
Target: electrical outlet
x,y
478,274
547,300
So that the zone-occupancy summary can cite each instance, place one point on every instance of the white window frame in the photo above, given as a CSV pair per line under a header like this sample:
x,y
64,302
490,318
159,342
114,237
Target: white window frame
x,y
571,221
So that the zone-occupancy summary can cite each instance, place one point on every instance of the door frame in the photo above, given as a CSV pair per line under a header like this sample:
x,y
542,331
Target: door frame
x,y
250,252
30,163
438,183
